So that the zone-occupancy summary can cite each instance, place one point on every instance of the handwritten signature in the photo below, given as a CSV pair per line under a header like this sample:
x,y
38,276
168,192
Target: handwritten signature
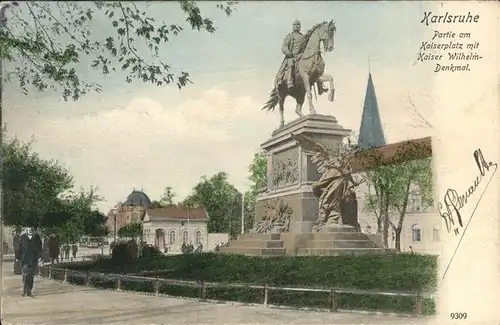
x,y
453,202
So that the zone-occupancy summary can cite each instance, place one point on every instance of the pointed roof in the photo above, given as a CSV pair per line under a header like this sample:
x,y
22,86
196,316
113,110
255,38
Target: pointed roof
x,y
371,133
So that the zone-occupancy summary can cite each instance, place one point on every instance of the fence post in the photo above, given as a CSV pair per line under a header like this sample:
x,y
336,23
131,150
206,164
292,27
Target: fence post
x,y
266,294
65,275
203,292
50,272
87,279
333,303
157,286
418,304
119,283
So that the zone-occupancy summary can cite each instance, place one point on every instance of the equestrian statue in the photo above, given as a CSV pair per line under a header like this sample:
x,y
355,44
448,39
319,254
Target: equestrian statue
x,y
303,68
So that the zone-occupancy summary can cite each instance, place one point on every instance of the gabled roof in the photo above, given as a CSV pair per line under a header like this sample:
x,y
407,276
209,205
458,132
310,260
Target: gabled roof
x,y
176,213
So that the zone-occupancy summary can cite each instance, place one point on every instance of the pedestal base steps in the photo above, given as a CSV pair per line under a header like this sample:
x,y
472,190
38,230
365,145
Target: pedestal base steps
x,y
328,242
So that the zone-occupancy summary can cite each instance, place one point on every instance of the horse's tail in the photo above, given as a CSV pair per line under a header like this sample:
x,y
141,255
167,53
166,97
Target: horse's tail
x,y
272,101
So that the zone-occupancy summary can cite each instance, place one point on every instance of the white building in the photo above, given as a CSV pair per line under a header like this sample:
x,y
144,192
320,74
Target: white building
x,y
172,226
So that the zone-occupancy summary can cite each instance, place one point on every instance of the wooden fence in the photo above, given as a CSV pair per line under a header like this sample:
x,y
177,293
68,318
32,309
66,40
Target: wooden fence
x,y
88,277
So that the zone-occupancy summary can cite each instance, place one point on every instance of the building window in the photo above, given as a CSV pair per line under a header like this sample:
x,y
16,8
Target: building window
x,y
171,238
185,237
416,233
198,237
413,204
435,234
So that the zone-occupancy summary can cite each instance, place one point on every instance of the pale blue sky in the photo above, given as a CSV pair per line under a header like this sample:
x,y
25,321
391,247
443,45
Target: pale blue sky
x,y
143,136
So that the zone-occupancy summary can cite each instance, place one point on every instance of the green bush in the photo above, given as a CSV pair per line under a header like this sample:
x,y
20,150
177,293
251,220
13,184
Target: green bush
x,y
150,252
394,272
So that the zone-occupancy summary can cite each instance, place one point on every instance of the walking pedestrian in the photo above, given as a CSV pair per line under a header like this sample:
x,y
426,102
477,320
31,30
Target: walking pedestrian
x,y
74,250
54,249
30,251
67,248
61,252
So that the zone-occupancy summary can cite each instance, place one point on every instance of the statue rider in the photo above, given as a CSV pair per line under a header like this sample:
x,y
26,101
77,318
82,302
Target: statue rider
x,y
291,50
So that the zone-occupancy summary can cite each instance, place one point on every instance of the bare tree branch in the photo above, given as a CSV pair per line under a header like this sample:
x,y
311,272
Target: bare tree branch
x,y
421,118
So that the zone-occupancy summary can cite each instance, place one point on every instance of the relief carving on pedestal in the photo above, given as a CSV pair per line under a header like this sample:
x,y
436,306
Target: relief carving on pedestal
x,y
277,215
285,172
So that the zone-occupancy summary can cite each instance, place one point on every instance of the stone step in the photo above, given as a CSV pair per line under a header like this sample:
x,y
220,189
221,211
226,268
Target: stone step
x,y
260,237
339,236
337,228
255,251
257,243
341,251
362,243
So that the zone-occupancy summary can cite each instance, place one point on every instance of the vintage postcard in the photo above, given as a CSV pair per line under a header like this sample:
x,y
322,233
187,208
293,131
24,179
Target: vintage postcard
x,y
252,162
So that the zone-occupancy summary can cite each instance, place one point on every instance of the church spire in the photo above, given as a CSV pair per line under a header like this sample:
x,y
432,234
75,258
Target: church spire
x,y
371,133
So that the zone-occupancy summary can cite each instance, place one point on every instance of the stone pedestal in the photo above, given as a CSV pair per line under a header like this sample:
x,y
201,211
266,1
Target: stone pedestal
x,y
290,170
290,176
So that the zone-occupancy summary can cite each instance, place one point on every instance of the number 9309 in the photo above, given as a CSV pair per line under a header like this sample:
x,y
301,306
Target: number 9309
x,y
458,315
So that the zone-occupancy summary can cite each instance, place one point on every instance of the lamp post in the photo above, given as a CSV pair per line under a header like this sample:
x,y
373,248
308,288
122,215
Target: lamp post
x,y
114,226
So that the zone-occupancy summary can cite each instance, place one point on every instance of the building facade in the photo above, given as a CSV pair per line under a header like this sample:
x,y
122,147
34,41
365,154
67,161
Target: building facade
x,y
166,227
171,227
132,210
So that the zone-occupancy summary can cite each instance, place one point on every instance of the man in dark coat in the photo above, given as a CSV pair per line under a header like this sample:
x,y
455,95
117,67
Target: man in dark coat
x,y
53,249
30,251
74,250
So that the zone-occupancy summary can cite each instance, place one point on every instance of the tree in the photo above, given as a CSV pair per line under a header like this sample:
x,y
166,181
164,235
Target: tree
x,y
74,216
132,230
168,197
258,177
94,224
221,200
392,185
38,193
32,186
258,171
43,43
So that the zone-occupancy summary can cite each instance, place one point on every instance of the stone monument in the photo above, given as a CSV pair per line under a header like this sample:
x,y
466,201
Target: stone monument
x,y
309,206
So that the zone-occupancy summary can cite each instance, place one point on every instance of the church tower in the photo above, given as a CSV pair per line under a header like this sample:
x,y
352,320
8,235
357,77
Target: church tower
x,y
371,133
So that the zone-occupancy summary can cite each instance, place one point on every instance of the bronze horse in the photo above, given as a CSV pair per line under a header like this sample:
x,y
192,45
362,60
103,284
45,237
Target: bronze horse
x,y
309,71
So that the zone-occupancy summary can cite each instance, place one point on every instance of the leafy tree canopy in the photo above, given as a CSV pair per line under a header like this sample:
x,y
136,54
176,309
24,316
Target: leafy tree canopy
x,y
38,193
32,187
390,187
43,43
258,178
132,230
221,200
258,170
